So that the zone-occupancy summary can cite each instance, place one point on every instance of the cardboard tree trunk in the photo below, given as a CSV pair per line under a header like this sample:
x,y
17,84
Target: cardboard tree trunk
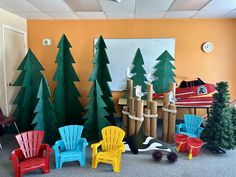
x,y
219,130
66,96
102,75
26,99
95,116
139,77
45,118
164,72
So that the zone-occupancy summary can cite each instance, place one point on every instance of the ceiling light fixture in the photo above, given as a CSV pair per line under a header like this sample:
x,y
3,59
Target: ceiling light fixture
x,y
117,0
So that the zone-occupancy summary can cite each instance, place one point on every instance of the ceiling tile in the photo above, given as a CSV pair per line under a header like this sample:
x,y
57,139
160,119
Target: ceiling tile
x,y
62,15
231,14
112,6
51,5
34,15
179,14
209,14
119,15
222,5
187,5
152,5
84,5
149,14
91,15
21,6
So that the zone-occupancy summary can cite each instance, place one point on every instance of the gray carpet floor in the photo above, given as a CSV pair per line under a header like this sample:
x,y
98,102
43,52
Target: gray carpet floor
x,y
141,165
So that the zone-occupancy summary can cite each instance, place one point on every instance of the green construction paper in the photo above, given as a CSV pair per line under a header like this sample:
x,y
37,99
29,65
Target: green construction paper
x,y
26,99
102,75
66,96
139,77
95,116
164,72
219,130
45,118
234,122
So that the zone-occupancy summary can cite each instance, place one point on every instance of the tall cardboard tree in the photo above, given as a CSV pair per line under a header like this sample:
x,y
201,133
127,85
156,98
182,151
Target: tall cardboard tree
x,y
45,118
26,99
96,114
163,72
102,75
138,71
234,122
219,130
66,96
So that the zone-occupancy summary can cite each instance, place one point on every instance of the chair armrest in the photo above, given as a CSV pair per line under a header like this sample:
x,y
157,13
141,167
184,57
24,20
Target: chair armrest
x,y
122,148
95,147
82,144
16,156
180,127
58,147
47,148
199,131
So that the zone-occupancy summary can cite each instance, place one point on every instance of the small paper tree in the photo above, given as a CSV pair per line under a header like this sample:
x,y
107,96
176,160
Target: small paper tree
x,y
102,75
95,115
67,105
45,118
164,72
138,71
219,131
29,80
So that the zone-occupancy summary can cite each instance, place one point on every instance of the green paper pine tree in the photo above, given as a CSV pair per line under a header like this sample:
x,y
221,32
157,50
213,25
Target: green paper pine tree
x,y
26,99
139,77
66,102
102,75
95,117
163,72
219,131
45,118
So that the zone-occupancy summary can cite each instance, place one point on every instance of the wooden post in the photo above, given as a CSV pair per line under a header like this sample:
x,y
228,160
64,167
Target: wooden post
x,y
153,121
132,113
129,88
172,87
166,104
147,122
139,115
172,121
149,95
125,120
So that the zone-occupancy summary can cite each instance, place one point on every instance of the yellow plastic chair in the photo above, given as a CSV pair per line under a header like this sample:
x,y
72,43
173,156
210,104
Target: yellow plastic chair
x,y
112,147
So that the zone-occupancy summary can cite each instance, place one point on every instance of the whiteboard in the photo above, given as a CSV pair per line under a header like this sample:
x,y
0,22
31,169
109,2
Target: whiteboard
x,y
121,53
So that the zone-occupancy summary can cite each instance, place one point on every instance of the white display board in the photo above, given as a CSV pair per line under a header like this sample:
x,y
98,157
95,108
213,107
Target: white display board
x,y
121,53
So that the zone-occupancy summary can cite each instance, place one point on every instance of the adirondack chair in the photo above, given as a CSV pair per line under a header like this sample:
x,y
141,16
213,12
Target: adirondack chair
x,y
32,154
112,147
191,126
72,147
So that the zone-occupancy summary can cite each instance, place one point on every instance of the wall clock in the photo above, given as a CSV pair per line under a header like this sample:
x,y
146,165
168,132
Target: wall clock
x,y
207,47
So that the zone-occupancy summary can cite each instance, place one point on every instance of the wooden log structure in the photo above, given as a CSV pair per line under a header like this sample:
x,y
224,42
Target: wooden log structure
x,y
172,122
147,124
153,121
129,88
139,112
166,104
125,120
132,113
149,94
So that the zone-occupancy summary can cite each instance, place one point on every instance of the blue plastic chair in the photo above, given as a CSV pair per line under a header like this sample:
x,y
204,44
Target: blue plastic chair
x,y
72,147
191,126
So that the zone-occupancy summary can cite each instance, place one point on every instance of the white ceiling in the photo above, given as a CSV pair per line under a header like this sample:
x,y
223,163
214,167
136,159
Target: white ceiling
x,y
126,9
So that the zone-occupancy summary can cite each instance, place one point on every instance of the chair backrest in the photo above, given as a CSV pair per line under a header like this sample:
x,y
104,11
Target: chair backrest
x,y
112,138
30,142
70,135
192,123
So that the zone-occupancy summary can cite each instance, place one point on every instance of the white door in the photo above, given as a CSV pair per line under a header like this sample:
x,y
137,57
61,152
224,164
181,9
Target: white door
x,y
14,50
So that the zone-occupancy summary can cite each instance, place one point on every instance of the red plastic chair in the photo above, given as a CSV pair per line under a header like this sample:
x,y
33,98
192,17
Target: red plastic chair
x,y
32,154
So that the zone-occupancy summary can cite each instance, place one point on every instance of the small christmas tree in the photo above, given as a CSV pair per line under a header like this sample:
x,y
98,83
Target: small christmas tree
x,y
164,72
95,115
234,122
26,99
102,75
138,71
67,105
219,131
45,118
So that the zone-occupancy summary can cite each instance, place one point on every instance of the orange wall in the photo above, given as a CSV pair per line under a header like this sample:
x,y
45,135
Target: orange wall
x,y
190,62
